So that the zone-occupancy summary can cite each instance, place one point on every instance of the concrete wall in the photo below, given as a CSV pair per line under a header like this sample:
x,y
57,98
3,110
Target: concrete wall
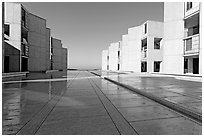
x,y
113,56
37,44
64,58
134,49
48,61
12,17
14,58
173,61
57,53
200,46
155,30
124,53
104,59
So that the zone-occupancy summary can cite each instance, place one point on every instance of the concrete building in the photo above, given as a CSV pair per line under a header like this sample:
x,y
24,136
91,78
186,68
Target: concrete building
x,y
182,49
114,56
105,60
192,47
15,37
26,42
171,47
141,48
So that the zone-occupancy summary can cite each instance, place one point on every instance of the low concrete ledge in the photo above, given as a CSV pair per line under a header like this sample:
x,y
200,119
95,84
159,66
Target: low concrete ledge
x,y
170,74
50,71
14,74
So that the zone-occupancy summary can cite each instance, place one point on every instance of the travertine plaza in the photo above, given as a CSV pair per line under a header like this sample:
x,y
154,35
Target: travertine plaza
x,y
170,47
28,44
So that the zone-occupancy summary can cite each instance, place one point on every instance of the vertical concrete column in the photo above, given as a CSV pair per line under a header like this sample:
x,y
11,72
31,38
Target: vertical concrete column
x,y
200,43
2,36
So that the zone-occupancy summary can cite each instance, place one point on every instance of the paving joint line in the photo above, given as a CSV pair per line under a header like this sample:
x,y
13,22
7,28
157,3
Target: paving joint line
x,y
106,109
24,131
186,112
124,126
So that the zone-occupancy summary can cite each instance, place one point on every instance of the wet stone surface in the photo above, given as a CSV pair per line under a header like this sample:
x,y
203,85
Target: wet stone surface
x,y
83,107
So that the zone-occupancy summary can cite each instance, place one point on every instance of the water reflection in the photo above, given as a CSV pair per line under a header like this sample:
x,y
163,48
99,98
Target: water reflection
x,y
22,100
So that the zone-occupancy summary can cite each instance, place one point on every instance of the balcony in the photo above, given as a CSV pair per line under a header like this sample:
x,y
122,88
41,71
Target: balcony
x,y
191,45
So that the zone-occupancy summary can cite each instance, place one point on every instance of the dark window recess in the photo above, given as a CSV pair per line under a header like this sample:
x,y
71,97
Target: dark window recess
x,y
157,66
189,5
185,65
118,66
107,57
118,53
24,37
107,67
157,43
143,66
195,65
24,18
51,50
7,29
144,44
145,28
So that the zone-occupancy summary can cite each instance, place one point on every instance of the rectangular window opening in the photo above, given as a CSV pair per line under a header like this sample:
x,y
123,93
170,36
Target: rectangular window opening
x,y
157,66
189,6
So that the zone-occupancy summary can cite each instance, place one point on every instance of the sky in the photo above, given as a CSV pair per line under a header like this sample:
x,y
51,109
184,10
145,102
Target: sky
x,y
87,28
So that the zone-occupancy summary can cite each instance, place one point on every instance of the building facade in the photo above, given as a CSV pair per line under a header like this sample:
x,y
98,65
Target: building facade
x,y
105,60
182,48
171,47
27,42
114,56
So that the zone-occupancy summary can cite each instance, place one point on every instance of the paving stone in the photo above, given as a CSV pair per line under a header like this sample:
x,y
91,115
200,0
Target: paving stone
x,y
170,126
146,113
98,125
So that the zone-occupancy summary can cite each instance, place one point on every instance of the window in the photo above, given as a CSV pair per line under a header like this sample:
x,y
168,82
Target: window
x,y
107,67
118,53
107,57
144,44
157,43
145,28
189,44
7,29
157,66
143,66
118,66
189,5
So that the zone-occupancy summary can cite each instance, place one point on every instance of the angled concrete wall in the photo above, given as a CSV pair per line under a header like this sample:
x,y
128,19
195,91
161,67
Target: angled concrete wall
x,y
13,54
124,53
48,61
64,58
57,53
113,56
12,17
134,49
37,43
173,61
105,60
